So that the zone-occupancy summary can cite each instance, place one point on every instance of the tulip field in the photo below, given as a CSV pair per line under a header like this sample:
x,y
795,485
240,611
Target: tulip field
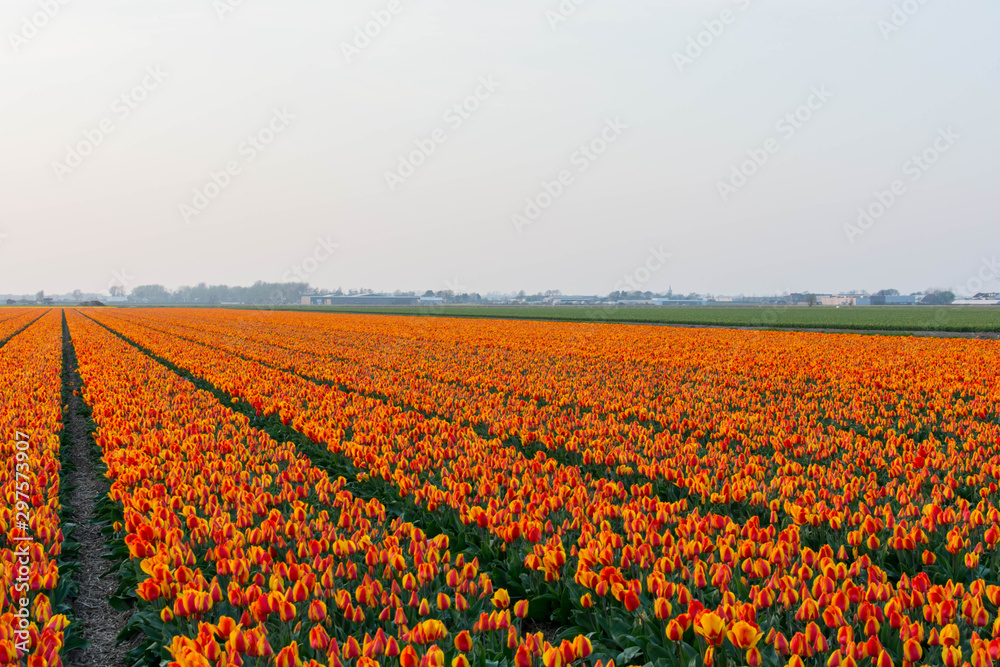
x,y
33,596
347,490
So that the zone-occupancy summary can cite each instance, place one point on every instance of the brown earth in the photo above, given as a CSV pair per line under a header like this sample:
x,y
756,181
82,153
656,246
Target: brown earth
x,y
100,624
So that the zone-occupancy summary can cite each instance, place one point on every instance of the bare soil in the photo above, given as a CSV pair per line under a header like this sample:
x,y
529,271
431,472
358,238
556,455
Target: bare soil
x,y
100,624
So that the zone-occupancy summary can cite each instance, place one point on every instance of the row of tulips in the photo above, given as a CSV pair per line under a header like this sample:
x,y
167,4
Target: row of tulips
x,y
15,320
34,591
786,474
645,399
475,399
242,552
434,464
438,463
874,521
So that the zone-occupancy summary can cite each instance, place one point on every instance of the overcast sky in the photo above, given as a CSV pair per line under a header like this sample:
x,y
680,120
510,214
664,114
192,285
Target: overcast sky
x,y
115,115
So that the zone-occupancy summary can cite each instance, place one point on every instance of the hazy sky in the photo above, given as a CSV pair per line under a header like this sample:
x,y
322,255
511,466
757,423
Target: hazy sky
x,y
115,115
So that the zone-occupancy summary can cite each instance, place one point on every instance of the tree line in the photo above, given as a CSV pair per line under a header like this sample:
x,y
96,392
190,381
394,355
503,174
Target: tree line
x,y
260,293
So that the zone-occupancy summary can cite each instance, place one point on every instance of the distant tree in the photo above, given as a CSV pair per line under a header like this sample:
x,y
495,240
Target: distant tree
x,y
77,295
888,292
39,296
937,297
811,299
150,294
260,293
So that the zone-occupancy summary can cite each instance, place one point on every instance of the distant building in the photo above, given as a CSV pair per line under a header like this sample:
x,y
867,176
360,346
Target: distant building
x,y
904,299
360,300
431,301
574,300
981,299
679,302
895,300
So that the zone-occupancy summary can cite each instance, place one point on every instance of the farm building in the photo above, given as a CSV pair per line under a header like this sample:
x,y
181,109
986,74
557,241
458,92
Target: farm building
x,y
981,299
895,300
361,300
680,302
574,300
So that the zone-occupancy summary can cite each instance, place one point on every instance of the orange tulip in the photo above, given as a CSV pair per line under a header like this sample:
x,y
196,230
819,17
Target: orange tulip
x,y
408,657
463,641
952,656
744,635
710,626
288,656
523,656
500,599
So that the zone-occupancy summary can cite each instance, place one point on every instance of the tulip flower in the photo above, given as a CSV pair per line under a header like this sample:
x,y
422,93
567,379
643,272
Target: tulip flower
x,y
288,656
710,626
744,635
500,599
463,641
553,658
523,656
951,656
408,657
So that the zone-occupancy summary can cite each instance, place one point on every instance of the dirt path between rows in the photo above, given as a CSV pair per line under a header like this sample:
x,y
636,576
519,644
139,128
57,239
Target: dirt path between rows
x,y
100,624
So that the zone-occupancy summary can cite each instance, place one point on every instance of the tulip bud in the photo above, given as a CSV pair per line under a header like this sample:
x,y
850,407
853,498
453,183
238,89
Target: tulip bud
x,y
501,600
463,641
408,657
